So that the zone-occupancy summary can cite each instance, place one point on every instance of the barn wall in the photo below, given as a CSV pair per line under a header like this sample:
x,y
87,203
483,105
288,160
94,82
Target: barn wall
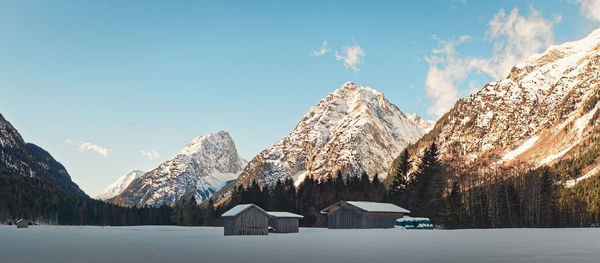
x,y
229,225
346,216
380,219
284,224
249,222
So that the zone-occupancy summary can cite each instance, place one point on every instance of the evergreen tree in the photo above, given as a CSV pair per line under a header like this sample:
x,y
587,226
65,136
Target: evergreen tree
x,y
455,208
400,177
429,184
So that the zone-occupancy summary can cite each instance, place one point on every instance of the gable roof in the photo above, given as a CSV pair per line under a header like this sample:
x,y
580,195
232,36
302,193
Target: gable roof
x,y
284,214
240,208
371,207
22,220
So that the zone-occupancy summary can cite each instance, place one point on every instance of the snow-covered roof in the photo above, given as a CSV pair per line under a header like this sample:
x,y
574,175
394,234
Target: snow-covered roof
x,y
284,214
22,219
378,207
239,208
372,207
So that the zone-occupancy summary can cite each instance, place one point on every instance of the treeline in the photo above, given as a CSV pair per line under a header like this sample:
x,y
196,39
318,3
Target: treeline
x,y
515,197
519,196
537,198
421,191
43,202
310,197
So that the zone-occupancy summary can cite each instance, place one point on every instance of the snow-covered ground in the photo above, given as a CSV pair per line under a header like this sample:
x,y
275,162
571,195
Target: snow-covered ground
x,y
206,244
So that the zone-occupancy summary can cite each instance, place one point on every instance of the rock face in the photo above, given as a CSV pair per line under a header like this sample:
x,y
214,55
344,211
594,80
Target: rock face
x,y
545,110
352,130
202,168
119,185
19,158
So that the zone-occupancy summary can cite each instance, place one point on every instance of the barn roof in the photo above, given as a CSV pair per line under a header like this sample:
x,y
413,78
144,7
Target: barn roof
x,y
240,208
371,207
284,214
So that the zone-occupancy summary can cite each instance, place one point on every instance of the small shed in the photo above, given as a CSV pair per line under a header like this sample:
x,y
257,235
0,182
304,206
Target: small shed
x,y
284,222
247,219
22,223
360,214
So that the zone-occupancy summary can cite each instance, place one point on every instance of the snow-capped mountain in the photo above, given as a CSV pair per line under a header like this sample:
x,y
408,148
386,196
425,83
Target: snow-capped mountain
x,y
545,110
352,130
203,167
119,185
19,158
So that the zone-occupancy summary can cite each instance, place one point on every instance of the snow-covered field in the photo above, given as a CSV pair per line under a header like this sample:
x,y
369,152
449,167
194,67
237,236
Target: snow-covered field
x,y
206,244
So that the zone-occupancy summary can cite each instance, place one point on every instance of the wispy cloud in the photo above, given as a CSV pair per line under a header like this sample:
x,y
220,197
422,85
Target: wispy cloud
x,y
351,56
514,38
590,9
321,50
87,146
151,154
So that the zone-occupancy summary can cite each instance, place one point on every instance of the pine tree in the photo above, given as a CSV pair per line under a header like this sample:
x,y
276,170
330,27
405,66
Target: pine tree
x,y
455,208
400,175
378,193
429,183
365,187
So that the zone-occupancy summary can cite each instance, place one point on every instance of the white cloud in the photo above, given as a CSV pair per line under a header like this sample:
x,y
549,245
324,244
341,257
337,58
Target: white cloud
x,y
352,56
590,9
87,146
514,38
322,50
152,154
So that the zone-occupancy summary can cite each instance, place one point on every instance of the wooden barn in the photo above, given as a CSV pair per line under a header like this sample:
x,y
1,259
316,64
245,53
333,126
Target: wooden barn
x,y
359,214
247,219
22,223
284,222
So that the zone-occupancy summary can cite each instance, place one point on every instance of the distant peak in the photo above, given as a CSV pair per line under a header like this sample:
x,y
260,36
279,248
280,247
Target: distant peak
x,y
590,43
134,171
218,134
348,84
198,143
352,89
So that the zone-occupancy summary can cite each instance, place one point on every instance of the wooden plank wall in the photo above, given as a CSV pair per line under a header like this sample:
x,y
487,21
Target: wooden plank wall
x,y
350,217
345,217
284,224
249,222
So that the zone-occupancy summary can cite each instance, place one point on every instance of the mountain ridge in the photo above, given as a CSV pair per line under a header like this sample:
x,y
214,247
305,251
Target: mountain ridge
x,y
202,167
352,130
20,158
119,185
545,110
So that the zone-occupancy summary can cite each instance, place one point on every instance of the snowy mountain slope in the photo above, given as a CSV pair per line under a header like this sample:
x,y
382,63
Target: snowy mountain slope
x,y
353,130
203,167
545,110
119,185
19,158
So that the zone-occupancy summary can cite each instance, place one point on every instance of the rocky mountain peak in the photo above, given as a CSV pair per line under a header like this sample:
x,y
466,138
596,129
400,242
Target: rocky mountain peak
x,y
9,137
352,130
545,110
202,167
19,158
119,185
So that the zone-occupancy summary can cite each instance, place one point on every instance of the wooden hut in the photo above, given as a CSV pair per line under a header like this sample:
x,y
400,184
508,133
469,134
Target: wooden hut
x,y
247,219
284,222
359,214
22,223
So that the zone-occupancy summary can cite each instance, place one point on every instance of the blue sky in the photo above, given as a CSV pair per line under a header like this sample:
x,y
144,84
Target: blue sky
x,y
97,82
